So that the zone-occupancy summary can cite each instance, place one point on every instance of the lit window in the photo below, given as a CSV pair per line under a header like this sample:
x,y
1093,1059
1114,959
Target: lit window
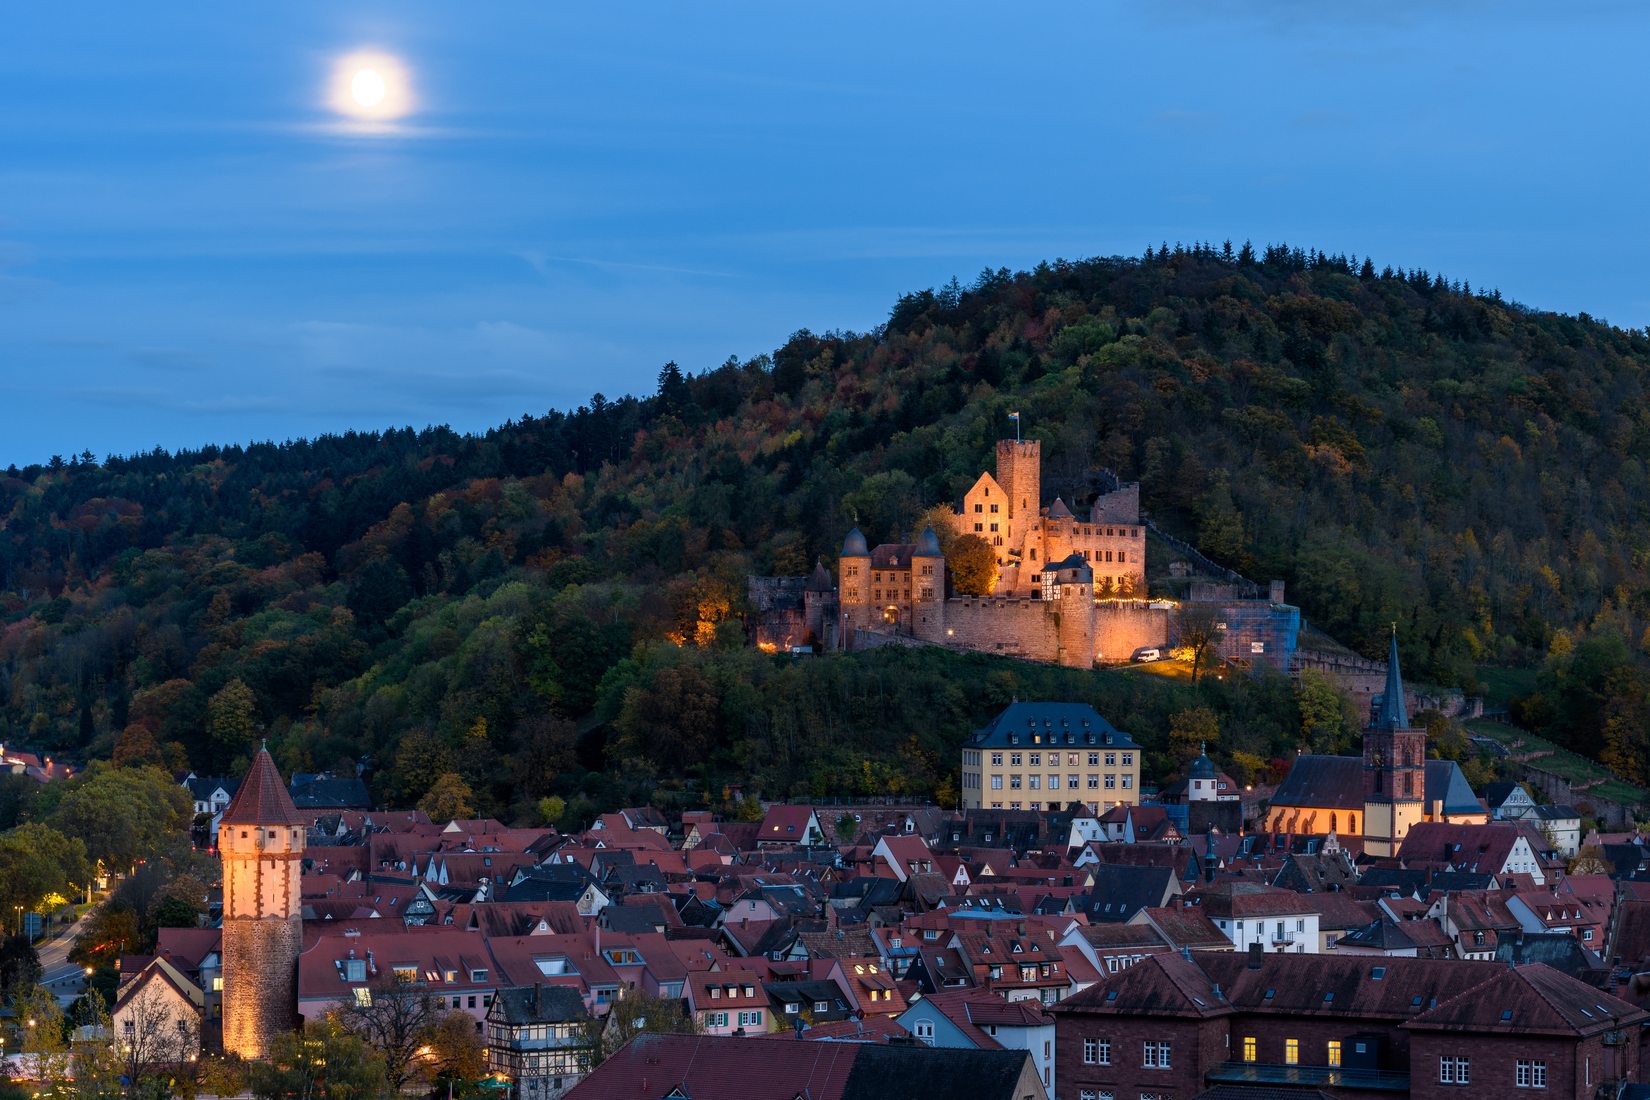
x,y
1334,1055
1250,1053
1292,1052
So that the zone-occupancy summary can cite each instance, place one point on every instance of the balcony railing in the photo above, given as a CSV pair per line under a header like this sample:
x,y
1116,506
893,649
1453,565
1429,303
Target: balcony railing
x,y
1268,1073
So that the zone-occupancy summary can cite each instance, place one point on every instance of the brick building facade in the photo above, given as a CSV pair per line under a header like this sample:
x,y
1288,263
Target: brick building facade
x,y
1174,1025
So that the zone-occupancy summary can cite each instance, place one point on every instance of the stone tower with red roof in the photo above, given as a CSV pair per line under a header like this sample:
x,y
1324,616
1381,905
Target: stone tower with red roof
x,y
261,844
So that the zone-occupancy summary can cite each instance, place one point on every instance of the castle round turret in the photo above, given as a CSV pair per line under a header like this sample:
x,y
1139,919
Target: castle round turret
x,y
855,546
261,844
928,587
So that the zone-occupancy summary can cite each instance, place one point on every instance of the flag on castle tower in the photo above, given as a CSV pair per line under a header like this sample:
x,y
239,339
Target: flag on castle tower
x,y
1014,416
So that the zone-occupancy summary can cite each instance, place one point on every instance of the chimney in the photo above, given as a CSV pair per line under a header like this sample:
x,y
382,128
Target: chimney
x,y
1277,591
1257,952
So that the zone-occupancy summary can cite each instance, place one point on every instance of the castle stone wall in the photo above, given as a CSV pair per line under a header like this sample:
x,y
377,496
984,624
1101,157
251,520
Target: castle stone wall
x,y
1007,627
1122,505
1121,628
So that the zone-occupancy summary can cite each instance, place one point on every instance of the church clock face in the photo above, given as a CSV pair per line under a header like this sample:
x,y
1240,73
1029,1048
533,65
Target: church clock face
x,y
1378,759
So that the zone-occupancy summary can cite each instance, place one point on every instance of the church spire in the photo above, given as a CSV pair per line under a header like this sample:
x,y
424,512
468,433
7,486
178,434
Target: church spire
x,y
1394,715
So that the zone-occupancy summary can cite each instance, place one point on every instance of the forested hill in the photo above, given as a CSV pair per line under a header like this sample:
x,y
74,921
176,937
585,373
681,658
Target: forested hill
x,y
1397,447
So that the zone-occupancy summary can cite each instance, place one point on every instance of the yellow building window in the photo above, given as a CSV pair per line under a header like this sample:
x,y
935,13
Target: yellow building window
x,y
1292,1052
1249,1048
1334,1057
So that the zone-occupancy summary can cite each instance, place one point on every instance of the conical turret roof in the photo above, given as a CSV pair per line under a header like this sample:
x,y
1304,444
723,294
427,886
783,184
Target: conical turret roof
x,y
262,798
928,544
820,579
1058,510
1394,714
854,546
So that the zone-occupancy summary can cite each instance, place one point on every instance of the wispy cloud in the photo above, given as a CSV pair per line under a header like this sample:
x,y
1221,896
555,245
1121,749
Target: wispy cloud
x,y
541,262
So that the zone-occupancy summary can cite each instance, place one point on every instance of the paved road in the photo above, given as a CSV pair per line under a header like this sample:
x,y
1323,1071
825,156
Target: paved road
x,y
65,979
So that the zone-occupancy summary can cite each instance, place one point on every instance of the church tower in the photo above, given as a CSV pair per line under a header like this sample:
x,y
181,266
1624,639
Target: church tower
x,y
261,844
1395,768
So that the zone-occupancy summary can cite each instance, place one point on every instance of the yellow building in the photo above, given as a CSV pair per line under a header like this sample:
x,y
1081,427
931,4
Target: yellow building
x,y
1044,756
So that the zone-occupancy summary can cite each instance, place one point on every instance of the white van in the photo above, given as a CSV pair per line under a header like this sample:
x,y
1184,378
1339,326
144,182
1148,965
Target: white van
x,y
1148,654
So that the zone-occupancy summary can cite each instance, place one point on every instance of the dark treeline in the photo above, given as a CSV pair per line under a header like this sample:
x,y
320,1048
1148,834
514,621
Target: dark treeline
x,y
527,609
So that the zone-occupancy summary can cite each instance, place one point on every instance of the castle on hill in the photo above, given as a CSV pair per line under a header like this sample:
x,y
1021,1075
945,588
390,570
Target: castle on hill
x,y
1007,512
1054,601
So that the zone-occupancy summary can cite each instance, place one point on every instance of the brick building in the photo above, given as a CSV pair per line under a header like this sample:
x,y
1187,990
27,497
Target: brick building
x,y
1174,1025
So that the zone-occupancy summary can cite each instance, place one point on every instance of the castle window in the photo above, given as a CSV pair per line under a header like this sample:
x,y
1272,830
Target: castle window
x,y
1094,782
1122,555
993,526
1094,759
1033,553
1036,759
1111,782
1014,782
979,507
993,509
1128,759
979,527
996,759
1014,759
999,540
1111,760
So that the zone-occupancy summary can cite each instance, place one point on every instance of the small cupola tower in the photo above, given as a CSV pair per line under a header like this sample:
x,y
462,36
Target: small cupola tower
x,y
261,844
1395,767
1202,783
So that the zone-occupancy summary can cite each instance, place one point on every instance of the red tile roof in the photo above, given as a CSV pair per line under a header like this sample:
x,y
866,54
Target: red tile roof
x,y
1526,999
262,798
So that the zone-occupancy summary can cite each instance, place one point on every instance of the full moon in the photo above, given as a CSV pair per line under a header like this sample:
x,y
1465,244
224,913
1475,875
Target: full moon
x,y
367,87
371,87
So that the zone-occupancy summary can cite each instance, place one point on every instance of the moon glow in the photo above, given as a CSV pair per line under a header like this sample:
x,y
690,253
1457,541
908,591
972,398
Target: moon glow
x,y
370,86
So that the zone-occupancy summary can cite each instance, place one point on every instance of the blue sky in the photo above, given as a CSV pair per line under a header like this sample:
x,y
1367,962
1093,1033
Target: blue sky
x,y
193,249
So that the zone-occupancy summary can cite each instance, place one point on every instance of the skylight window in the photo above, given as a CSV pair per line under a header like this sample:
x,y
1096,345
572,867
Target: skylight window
x,y
1377,973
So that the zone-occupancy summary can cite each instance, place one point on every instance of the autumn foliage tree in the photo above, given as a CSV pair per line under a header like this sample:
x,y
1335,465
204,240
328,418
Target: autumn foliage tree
x,y
972,563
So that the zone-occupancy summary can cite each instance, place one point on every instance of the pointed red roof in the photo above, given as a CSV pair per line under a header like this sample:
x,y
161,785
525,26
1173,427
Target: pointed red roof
x,y
262,798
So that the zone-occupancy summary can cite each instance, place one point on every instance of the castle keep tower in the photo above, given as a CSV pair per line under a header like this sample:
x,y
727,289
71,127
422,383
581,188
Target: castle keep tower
x,y
1395,761
261,843
1020,473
